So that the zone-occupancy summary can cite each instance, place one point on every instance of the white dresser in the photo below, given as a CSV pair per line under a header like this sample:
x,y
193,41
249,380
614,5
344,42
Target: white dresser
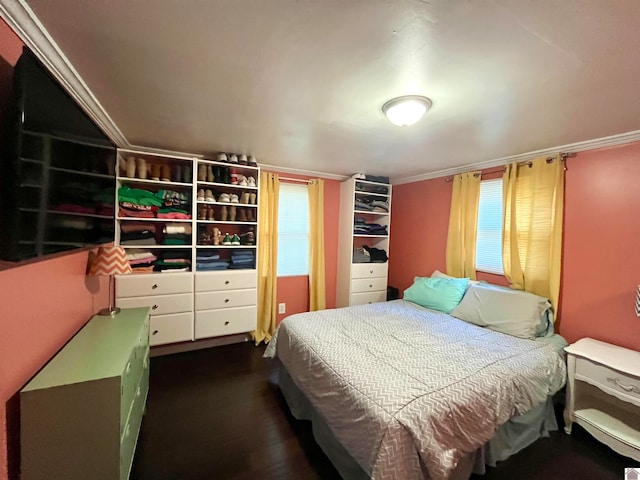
x,y
368,283
170,298
603,394
225,303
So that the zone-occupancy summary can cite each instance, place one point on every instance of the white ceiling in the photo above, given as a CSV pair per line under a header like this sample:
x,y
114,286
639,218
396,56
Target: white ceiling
x,y
300,83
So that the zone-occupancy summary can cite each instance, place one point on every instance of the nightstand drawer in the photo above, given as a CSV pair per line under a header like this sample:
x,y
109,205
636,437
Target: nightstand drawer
x,y
361,285
624,386
160,304
226,299
369,270
153,284
226,280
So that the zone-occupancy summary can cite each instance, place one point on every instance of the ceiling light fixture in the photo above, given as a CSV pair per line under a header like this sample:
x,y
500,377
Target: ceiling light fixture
x,y
406,110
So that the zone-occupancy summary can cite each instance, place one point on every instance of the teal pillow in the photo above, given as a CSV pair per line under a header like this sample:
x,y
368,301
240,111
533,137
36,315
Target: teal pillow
x,y
443,294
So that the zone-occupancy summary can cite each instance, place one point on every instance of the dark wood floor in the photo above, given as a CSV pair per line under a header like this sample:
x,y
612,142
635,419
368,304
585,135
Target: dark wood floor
x,y
216,414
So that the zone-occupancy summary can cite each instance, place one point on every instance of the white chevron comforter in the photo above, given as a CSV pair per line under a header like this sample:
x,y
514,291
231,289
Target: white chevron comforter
x,y
409,391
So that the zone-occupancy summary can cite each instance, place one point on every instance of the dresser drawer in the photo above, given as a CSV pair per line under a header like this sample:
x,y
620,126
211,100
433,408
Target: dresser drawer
x,y
173,328
226,280
624,386
369,270
131,429
369,297
361,285
226,299
160,304
214,323
141,285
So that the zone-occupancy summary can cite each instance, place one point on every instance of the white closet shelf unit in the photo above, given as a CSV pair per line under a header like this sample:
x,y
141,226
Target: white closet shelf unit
x,y
179,312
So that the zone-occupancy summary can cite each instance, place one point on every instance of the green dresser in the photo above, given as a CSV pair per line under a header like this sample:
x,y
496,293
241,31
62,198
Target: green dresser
x,y
81,414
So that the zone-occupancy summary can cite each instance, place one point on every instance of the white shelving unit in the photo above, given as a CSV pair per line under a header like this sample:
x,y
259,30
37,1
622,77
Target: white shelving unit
x,y
360,283
181,305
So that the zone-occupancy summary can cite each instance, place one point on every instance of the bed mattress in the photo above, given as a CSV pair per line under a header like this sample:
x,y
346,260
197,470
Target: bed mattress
x,y
410,392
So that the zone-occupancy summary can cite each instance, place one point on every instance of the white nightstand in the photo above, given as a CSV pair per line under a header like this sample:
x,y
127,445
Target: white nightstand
x,y
603,394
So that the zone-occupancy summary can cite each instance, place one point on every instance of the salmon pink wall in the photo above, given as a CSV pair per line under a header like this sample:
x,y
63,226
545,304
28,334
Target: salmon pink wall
x,y
601,261
294,291
42,304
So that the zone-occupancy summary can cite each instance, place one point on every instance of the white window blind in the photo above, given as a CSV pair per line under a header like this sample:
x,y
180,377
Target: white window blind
x,y
489,239
293,230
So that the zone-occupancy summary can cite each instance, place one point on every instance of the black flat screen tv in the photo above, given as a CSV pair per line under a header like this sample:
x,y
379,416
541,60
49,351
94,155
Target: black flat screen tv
x,y
57,186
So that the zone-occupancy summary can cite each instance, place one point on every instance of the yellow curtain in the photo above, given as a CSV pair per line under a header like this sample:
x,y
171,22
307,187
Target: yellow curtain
x,y
532,231
267,256
463,225
317,298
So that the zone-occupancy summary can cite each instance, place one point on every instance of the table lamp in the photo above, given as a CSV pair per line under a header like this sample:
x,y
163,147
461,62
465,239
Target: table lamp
x,y
110,261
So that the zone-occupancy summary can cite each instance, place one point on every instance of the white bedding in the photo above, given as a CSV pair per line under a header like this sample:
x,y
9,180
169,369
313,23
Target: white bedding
x,y
409,391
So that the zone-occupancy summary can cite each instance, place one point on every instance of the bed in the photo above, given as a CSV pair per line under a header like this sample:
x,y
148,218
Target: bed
x,y
396,390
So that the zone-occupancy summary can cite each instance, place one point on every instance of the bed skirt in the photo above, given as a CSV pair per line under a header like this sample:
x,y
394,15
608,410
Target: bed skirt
x,y
518,433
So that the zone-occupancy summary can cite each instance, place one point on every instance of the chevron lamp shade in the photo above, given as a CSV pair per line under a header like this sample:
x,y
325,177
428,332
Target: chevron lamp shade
x,y
110,261
638,301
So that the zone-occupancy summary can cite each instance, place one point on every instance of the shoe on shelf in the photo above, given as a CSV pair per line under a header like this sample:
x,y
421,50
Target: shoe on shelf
x,y
252,198
210,214
222,157
251,182
242,181
155,171
186,174
233,198
166,173
232,213
210,176
130,167
202,212
251,215
224,198
245,198
208,196
141,163
200,197
227,174
242,160
227,239
202,173
234,177
177,173
252,161
242,215
233,158
224,213
235,240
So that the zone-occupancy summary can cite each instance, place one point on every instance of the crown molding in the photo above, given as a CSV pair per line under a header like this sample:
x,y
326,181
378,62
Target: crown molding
x,y
611,141
306,173
27,26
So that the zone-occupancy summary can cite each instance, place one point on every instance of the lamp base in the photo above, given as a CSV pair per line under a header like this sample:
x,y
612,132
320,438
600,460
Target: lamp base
x,y
109,312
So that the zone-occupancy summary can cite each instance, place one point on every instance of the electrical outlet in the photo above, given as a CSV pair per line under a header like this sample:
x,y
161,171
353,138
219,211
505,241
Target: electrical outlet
x,y
282,308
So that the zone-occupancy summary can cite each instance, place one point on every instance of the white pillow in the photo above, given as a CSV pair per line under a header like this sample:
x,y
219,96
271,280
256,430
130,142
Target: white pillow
x,y
513,312
439,274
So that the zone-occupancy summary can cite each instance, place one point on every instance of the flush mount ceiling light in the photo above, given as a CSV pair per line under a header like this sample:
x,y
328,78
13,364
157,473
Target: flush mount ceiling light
x,y
406,110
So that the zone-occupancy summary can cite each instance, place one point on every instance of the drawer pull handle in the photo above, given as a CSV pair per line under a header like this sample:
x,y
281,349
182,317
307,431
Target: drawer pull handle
x,y
154,286
370,271
626,388
226,323
128,367
154,307
370,286
226,282
226,300
154,332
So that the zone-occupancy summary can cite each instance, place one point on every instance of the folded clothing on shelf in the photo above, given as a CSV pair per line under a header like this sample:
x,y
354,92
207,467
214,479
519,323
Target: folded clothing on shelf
x,y
138,196
361,227
207,260
242,259
173,260
141,261
377,255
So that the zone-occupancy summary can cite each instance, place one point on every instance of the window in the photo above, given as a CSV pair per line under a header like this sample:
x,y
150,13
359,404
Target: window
x,y
489,238
293,230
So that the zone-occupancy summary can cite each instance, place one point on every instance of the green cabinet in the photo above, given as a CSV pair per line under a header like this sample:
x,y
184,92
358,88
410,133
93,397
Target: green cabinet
x,y
81,414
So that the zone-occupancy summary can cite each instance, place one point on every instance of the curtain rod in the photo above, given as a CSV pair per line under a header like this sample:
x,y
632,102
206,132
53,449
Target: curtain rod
x,y
288,179
528,163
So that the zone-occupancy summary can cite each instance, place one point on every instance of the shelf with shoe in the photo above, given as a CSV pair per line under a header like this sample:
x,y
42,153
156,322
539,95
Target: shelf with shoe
x,y
221,248
363,241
